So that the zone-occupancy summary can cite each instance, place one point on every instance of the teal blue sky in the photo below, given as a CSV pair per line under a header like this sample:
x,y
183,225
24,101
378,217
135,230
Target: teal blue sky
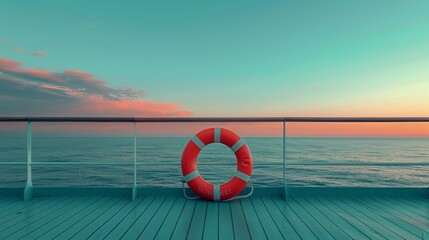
x,y
236,58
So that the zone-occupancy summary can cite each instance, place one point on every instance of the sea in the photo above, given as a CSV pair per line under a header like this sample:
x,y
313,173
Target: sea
x,y
168,150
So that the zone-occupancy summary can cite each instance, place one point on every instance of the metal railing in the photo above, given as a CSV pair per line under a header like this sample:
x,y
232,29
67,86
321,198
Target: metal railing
x,y
29,186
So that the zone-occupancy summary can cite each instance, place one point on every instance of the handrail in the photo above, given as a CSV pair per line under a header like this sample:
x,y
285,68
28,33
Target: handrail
x,y
214,119
309,163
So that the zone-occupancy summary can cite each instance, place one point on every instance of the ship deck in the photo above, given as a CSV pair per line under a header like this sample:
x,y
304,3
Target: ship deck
x,y
327,214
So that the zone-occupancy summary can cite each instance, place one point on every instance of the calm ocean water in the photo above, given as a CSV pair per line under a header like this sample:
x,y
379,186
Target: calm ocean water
x,y
164,149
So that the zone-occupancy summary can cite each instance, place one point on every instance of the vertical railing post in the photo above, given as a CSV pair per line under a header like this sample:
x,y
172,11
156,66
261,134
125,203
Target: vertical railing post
x,y
134,194
28,191
284,162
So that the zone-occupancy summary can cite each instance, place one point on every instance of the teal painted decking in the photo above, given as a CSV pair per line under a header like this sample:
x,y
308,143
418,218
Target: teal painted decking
x,y
310,215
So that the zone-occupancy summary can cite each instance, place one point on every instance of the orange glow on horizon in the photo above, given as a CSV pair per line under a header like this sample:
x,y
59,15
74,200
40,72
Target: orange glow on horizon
x,y
352,130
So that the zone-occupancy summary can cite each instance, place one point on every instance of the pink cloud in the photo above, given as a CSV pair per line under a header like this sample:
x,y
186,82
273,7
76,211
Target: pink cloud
x,y
39,54
98,106
19,49
75,75
10,67
36,92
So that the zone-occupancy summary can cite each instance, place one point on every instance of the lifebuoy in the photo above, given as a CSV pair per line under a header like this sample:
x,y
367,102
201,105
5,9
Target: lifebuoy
x,y
205,189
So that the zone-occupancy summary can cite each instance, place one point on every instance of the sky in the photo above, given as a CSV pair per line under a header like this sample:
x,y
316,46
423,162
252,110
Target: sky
x,y
217,58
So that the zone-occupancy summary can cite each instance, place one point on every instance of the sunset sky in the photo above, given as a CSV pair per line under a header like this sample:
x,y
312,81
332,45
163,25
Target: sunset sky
x,y
219,58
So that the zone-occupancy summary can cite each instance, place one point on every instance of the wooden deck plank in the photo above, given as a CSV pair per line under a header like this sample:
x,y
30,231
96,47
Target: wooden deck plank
x,y
116,219
172,218
90,228
410,203
21,206
267,222
394,216
26,218
241,230
283,224
310,220
7,202
256,230
6,199
152,228
352,212
414,207
30,216
88,218
71,220
211,225
30,229
226,230
424,202
119,230
356,222
182,226
322,219
196,229
381,218
405,209
302,229
350,229
411,210
140,224
8,206
11,209
50,227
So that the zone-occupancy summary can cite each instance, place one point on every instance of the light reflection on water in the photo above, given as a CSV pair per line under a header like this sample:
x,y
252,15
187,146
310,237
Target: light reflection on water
x,y
119,149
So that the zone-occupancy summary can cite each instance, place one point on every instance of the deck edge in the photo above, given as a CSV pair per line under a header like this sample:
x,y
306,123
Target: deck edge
x,y
272,191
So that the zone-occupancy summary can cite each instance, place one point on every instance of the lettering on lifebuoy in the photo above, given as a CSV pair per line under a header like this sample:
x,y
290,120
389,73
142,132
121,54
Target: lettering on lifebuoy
x,y
203,190
226,192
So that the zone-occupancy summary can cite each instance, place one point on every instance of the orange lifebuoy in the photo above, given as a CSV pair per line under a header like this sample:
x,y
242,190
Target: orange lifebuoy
x,y
205,189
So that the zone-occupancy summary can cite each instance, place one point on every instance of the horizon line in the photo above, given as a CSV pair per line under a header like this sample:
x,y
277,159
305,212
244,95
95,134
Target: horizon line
x,y
214,119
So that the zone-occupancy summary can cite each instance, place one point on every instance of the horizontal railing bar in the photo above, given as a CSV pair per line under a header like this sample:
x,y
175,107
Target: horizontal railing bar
x,y
83,163
361,164
13,163
142,163
215,119
230,163
223,164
